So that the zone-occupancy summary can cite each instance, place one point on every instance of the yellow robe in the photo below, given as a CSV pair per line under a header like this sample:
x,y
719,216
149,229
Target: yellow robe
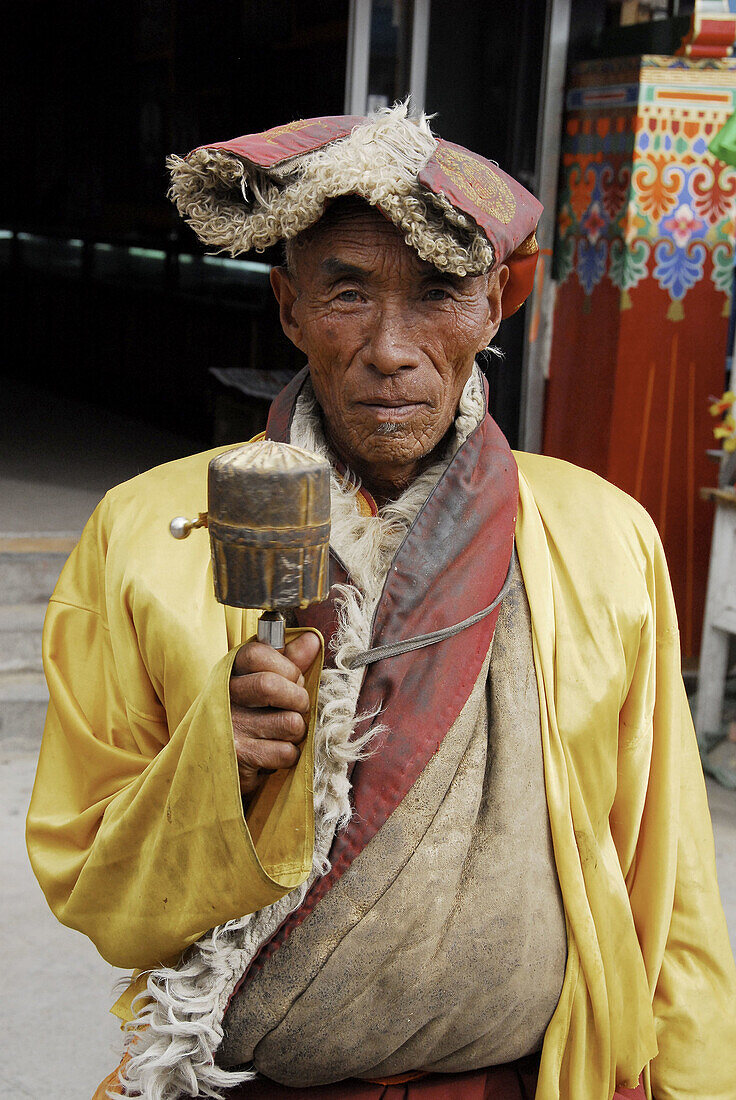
x,y
136,830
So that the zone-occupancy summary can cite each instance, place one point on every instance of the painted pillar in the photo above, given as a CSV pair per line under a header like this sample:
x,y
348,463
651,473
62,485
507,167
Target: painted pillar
x,y
643,259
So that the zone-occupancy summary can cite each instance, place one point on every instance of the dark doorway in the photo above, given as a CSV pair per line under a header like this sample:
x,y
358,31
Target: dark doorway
x,y
483,80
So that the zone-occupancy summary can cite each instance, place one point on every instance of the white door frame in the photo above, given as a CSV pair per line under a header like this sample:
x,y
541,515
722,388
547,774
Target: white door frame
x,y
359,53
538,336
419,52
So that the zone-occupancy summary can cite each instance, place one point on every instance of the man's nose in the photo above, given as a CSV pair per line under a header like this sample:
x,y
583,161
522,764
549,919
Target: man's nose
x,y
392,344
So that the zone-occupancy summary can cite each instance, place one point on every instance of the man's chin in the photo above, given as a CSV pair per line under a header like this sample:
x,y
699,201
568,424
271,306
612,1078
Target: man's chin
x,y
391,448
394,448
390,428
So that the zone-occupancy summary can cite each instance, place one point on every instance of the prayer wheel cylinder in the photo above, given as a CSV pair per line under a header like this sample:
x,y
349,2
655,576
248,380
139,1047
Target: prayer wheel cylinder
x,y
269,524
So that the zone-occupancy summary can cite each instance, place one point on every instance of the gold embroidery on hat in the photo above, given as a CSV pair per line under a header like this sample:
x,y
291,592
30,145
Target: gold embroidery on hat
x,y
288,128
478,183
528,247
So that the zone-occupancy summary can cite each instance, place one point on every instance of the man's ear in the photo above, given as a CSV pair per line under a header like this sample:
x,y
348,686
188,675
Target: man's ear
x,y
496,283
284,288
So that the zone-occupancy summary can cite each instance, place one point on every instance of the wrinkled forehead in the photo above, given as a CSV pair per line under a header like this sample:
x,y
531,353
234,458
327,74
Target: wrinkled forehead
x,y
345,221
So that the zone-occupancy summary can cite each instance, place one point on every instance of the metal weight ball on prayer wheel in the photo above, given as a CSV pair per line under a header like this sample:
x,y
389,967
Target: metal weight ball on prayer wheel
x,y
268,514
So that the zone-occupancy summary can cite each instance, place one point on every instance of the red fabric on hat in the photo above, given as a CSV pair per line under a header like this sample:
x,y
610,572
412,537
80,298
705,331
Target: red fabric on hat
x,y
280,143
502,209
505,211
519,283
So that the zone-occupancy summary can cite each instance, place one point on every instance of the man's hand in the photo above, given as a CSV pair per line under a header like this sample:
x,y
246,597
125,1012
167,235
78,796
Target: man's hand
x,y
269,706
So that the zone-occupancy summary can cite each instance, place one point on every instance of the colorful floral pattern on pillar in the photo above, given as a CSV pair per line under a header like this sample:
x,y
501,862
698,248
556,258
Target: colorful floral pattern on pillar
x,y
597,155
642,196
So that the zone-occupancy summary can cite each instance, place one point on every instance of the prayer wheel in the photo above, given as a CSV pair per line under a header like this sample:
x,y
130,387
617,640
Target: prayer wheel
x,y
269,521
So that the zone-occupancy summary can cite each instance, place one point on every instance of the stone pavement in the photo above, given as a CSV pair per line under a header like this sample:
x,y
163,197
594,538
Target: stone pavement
x,y
57,459
58,1039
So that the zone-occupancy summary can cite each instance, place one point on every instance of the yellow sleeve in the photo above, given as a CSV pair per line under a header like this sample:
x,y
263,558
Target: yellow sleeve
x,y
668,859
136,831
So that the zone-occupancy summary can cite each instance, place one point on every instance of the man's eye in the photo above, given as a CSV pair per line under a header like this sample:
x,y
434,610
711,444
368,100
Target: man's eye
x,y
437,294
348,296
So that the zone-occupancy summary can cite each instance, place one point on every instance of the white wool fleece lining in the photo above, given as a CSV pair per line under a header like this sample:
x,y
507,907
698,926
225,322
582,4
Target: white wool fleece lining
x,y
173,1040
231,204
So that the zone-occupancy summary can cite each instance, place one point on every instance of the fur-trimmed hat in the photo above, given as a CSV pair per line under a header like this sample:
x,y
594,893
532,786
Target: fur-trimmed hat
x,y
458,211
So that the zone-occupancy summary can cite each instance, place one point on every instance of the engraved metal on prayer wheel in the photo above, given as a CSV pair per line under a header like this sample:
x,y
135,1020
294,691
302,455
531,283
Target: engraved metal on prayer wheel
x,y
269,524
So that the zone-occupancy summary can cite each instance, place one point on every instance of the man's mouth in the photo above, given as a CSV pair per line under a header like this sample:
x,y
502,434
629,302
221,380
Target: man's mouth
x,y
392,411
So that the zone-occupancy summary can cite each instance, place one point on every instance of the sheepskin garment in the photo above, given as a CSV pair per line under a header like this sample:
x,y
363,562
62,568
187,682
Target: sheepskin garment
x,y
471,977
443,945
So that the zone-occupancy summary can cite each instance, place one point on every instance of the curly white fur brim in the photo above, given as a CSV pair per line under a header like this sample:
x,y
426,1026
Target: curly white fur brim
x,y
231,204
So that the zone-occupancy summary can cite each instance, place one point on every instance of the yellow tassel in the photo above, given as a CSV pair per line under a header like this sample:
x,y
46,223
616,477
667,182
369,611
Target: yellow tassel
x,y
676,311
625,300
726,309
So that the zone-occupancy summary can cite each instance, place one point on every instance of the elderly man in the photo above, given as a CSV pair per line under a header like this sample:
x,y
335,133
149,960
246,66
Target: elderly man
x,y
476,867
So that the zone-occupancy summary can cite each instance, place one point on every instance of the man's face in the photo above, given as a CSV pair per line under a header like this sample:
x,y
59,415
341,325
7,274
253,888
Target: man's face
x,y
390,341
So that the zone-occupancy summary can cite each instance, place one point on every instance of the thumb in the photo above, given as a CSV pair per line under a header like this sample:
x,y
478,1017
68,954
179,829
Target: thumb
x,y
303,650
